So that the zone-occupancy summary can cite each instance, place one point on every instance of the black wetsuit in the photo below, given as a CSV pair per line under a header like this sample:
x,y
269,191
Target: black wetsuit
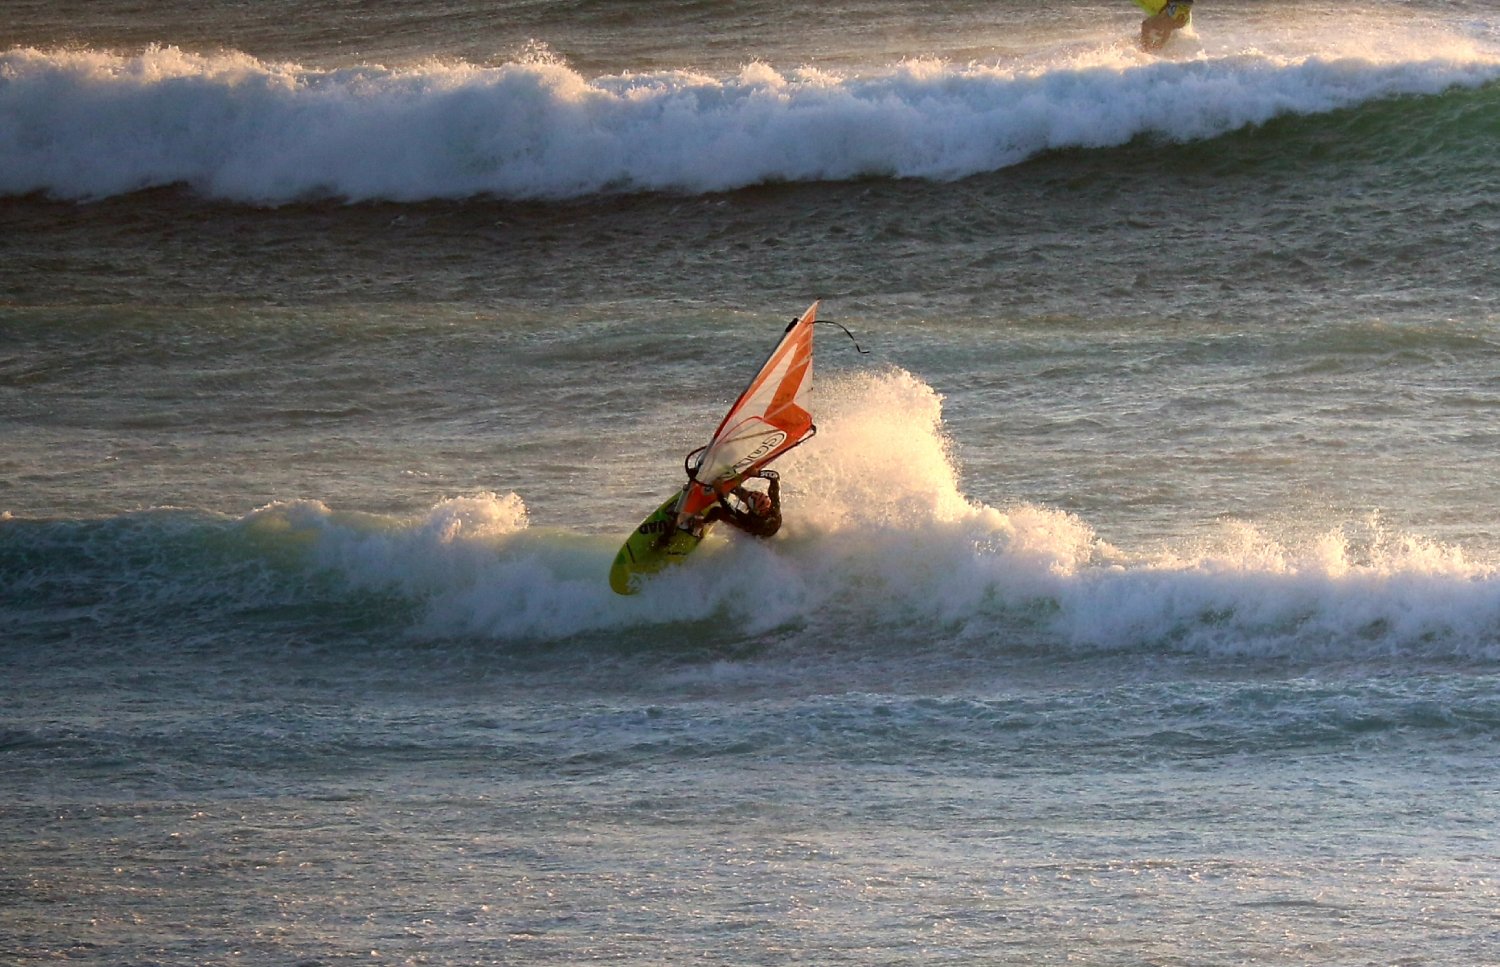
x,y
757,525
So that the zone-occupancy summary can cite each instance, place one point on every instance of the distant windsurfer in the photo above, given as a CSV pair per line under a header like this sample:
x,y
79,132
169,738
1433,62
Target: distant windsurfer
x,y
761,515
1158,28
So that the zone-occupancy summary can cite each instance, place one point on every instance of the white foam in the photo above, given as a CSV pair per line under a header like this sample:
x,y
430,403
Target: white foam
x,y
880,544
89,124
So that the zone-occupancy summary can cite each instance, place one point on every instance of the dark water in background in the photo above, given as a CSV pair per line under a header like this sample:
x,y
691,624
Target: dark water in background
x,y
1137,601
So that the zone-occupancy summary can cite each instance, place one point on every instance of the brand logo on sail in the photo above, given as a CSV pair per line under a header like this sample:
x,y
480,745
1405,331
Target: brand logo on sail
x,y
767,446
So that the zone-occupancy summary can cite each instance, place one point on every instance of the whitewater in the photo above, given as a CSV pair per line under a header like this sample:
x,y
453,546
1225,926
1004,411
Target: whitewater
x,y
882,538
83,124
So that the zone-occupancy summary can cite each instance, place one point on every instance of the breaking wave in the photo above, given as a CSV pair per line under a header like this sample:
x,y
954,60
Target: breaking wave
x,y
881,548
86,124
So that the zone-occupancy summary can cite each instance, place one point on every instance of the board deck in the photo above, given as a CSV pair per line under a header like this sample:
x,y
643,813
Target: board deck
x,y
654,544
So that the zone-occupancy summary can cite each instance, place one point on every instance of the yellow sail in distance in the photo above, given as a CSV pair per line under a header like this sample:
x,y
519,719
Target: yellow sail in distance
x,y
1155,7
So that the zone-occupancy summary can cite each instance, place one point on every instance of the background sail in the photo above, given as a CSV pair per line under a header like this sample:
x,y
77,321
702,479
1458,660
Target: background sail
x,y
769,418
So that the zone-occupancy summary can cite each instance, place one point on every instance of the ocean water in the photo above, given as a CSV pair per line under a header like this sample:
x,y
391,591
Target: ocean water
x,y
1138,601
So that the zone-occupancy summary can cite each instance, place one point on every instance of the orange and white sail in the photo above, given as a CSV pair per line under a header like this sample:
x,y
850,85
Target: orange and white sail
x,y
768,419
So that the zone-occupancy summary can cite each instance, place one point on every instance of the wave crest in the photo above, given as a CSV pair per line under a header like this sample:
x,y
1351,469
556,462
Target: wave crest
x,y
90,124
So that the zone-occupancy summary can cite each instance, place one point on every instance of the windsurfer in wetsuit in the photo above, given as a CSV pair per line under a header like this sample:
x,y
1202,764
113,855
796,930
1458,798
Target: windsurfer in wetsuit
x,y
762,514
1159,27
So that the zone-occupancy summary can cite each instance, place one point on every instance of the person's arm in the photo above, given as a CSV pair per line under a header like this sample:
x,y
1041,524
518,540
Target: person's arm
x,y
724,510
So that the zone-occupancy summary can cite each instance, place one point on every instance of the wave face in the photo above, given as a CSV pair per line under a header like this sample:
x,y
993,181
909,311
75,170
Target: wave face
x,y
88,124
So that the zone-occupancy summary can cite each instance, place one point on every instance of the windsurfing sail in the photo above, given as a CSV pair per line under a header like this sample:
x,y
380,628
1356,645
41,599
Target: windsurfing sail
x,y
769,418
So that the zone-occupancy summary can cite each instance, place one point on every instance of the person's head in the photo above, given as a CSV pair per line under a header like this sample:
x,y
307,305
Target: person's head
x,y
760,503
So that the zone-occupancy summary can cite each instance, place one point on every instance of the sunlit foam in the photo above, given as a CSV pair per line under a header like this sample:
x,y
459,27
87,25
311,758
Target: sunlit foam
x,y
94,124
879,535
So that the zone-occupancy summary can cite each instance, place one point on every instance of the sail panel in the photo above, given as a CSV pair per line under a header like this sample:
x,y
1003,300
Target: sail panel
x,y
769,418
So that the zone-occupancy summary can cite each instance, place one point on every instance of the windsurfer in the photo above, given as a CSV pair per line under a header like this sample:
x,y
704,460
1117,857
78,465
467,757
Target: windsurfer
x,y
761,516
1158,28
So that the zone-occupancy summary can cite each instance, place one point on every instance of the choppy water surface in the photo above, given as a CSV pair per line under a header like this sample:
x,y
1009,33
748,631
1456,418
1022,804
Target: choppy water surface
x,y
1137,601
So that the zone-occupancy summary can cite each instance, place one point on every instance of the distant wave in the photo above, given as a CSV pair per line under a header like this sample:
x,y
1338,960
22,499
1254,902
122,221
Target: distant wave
x,y
89,124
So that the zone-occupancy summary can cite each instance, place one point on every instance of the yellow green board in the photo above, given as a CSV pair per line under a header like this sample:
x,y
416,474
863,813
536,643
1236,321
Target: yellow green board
x,y
1155,7
652,546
